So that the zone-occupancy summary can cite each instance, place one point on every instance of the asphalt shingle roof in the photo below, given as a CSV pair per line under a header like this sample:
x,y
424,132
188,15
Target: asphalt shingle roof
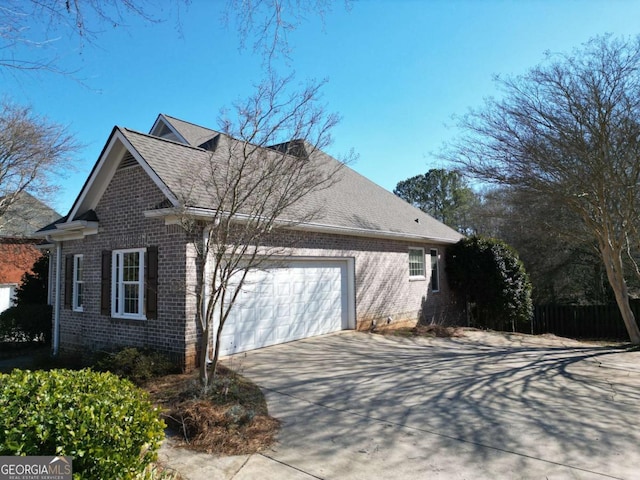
x,y
353,202
26,216
194,134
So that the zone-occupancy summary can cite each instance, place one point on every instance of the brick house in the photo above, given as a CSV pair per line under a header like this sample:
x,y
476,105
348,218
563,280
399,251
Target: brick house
x,y
123,263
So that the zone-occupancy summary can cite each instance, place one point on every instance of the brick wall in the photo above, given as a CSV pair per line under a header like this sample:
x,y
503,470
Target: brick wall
x,y
385,294
122,225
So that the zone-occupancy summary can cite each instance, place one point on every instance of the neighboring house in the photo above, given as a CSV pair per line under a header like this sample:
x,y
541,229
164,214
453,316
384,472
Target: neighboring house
x,y
17,251
123,261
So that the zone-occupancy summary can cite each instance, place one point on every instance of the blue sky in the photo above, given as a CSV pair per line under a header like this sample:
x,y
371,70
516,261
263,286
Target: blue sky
x,y
397,71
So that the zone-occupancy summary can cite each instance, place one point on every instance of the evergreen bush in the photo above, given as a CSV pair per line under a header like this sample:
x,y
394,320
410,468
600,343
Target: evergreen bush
x,y
105,423
30,319
491,276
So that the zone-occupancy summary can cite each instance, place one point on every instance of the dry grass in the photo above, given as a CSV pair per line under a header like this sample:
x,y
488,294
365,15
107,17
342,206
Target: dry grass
x,y
439,331
431,331
158,471
230,418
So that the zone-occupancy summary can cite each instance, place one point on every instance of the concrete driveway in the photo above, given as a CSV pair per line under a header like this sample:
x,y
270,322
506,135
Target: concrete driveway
x,y
361,406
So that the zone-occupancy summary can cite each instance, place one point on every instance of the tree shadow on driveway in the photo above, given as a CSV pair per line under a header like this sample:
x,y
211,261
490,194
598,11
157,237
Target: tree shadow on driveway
x,y
369,404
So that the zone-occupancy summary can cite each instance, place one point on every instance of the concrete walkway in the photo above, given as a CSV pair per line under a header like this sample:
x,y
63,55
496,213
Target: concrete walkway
x,y
360,406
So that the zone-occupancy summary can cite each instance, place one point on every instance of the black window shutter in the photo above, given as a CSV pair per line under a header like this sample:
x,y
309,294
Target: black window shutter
x,y
68,280
105,288
152,282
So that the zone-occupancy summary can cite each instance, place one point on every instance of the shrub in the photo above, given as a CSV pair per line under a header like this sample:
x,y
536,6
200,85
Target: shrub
x,y
105,423
26,323
30,318
136,365
33,285
492,277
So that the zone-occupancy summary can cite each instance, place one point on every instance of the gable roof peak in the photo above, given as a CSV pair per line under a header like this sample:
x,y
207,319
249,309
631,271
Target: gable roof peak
x,y
157,138
191,133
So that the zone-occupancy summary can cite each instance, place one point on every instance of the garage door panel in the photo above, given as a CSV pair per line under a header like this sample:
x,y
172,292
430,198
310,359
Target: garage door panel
x,y
283,289
285,304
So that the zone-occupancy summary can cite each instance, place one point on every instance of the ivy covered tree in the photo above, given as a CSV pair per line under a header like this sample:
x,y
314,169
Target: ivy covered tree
x,y
491,276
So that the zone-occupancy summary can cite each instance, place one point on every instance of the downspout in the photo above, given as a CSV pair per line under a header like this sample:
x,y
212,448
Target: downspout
x,y
56,306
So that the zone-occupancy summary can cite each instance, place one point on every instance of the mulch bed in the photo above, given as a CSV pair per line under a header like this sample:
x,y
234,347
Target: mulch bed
x,y
230,418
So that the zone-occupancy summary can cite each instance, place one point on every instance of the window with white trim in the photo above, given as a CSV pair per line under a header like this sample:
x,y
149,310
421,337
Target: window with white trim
x,y
435,270
416,263
127,283
78,283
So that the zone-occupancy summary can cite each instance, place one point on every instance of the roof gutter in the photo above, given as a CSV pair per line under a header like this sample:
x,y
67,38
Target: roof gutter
x,y
365,232
172,216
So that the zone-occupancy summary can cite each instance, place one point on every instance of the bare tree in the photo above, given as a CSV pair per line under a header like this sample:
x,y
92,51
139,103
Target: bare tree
x,y
33,152
569,130
265,23
23,47
252,189
268,23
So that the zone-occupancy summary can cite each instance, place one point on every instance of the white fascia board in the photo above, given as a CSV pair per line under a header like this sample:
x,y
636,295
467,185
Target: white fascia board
x,y
75,230
94,187
57,236
77,225
172,216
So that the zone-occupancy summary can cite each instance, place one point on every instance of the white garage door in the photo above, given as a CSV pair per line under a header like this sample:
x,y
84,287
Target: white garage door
x,y
288,303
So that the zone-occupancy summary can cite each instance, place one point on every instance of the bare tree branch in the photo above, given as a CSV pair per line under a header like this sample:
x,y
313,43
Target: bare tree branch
x,y
267,24
22,48
33,152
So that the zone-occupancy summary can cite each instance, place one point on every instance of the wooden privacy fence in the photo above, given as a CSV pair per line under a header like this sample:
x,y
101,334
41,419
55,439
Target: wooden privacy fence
x,y
582,321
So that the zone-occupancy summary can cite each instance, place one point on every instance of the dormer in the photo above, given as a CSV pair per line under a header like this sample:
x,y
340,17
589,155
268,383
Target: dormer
x,y
162,128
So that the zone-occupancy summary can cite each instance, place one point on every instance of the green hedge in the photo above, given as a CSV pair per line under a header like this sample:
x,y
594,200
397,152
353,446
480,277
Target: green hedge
x,y
491,276
105,423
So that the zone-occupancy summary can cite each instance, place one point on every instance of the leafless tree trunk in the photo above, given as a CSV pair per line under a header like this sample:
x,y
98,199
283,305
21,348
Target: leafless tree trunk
x,y
252,188
569,130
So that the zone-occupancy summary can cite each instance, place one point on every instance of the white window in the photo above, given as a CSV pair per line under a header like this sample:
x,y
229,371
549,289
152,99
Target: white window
x,y
78,283
416,263
127,283
435,270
